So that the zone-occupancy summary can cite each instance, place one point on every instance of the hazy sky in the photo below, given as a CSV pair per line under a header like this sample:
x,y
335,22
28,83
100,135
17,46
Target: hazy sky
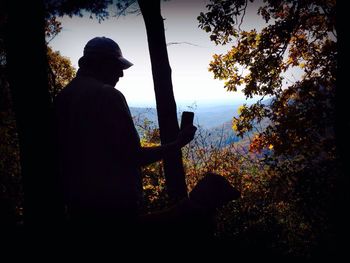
x,y
189,61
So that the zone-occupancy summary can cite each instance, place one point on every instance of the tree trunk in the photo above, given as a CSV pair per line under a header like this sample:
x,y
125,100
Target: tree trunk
x,y
28,79
166,106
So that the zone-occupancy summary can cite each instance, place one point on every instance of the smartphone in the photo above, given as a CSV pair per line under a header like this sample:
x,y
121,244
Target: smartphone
x,y
186,119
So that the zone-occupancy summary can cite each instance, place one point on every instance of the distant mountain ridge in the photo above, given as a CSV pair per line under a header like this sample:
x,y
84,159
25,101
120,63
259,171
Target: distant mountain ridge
x,y
215,120
206,117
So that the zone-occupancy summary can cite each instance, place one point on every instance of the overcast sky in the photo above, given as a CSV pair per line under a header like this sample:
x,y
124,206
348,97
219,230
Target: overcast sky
x,y
192,81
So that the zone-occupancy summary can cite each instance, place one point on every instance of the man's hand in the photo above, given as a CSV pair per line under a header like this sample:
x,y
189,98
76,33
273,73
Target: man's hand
x,y
186,135
152,154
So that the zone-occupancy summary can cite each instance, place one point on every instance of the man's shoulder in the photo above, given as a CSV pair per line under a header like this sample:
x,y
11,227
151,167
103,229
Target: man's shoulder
x,y
111,90
90,85
87,87
112,93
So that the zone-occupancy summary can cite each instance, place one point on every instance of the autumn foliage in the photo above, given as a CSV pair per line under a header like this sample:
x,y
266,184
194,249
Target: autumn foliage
x,y
298,145
286,171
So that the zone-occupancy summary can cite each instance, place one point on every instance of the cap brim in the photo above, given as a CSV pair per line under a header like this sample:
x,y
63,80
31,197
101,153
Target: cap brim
x,y
125,63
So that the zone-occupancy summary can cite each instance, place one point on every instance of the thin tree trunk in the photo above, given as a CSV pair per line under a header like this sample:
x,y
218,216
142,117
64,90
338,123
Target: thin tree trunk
x,y
166,106
28,79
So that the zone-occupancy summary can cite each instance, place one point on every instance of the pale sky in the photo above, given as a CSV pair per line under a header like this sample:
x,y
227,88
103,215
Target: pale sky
x,y
192,82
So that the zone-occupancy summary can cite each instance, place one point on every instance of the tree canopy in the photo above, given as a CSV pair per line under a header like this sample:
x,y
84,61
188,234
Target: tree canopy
x,y
299,142
61,71
298,34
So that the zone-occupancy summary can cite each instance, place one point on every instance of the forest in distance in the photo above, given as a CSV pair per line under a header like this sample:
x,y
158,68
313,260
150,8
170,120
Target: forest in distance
x,y
282,152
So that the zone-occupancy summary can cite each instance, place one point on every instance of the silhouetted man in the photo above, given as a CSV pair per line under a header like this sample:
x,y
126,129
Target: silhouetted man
x,y
99,147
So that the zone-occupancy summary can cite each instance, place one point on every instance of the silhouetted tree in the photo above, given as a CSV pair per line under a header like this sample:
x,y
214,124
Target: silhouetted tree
x,y
166,106
15,67
26,63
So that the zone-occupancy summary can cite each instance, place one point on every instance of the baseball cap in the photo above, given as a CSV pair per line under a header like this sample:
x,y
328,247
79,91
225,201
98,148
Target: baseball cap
x,y
104,46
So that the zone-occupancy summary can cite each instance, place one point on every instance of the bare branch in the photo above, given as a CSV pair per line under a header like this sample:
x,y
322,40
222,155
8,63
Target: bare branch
x,y
128,4
242,18
183,42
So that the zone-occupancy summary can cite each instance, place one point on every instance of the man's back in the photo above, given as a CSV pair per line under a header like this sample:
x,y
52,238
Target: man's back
x,y
98,150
